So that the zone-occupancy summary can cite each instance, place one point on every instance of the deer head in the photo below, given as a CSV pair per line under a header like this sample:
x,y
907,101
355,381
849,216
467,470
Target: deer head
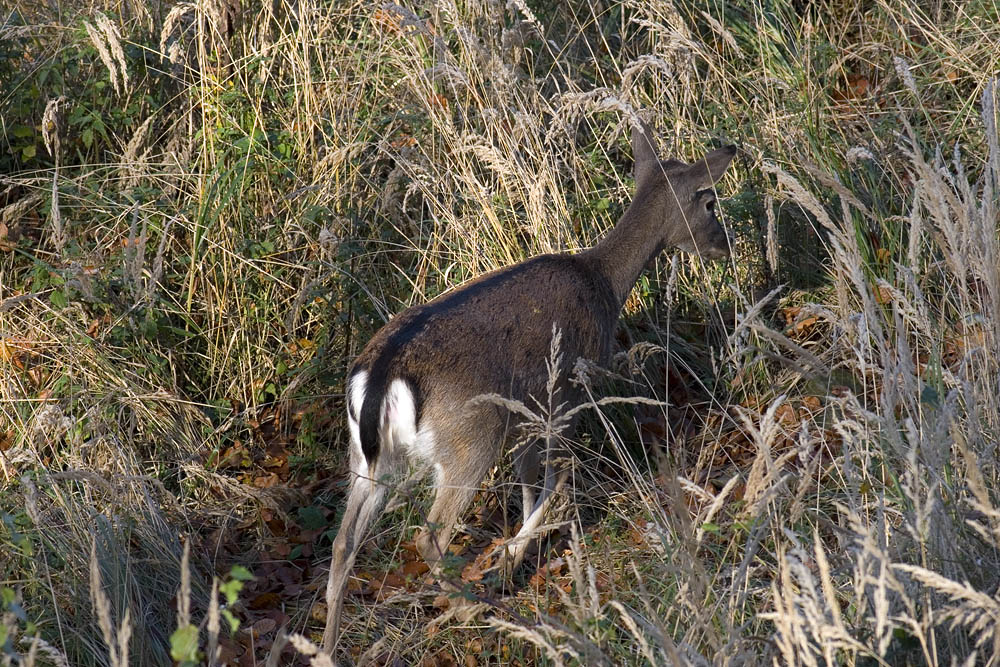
x,y
685,195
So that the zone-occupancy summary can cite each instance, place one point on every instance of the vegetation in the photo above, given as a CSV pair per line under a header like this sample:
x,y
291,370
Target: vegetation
x,y
207,208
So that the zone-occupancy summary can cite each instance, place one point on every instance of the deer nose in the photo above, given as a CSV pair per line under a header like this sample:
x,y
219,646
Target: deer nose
x,y
719,247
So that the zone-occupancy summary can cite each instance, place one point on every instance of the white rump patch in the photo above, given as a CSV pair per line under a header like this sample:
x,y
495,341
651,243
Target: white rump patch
x,y
399,424
356,391
356,386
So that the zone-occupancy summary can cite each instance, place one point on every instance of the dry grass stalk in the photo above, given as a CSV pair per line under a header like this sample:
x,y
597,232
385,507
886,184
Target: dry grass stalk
x,y
116,639
107,39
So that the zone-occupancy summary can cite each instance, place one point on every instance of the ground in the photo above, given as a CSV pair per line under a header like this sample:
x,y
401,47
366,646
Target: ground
x,y
207,209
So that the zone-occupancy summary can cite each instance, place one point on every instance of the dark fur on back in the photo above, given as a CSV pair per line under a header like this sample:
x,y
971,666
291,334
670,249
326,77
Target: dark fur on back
x,y
427,341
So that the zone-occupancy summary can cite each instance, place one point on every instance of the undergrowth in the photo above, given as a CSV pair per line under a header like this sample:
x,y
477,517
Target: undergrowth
x,y
207,208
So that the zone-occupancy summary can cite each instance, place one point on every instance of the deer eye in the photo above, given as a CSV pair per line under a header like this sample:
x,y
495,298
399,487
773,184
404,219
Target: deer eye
x,y
710,205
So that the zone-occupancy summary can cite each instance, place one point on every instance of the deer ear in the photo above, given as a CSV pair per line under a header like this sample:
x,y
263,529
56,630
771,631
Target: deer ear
x,y
707,171
643,151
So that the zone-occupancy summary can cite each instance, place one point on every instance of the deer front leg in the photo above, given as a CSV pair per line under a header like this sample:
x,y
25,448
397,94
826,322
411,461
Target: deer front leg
x,y
556,473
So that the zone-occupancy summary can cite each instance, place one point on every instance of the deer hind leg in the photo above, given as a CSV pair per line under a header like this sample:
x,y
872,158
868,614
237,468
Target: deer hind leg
x,y
462,464
450,501
364,502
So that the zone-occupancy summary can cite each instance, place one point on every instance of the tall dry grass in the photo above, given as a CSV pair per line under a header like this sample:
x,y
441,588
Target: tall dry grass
x,y
189,277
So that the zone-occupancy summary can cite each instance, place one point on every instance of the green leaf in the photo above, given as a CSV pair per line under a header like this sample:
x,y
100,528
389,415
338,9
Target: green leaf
x,y
184,644
22,131
149,328
311,518
231,589
234,623
87,137
28,152
929,396
710,527
241,573
58,299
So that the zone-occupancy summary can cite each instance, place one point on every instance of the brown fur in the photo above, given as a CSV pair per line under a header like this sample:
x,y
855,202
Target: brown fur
x,y
492,335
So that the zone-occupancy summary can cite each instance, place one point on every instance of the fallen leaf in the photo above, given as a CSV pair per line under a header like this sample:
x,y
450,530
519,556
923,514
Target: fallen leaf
x,y
265,601
856,87
546,572
263,626
790,314
229,650
413,568
387,20
234,457
440,659
637,532
603,581
805,324
266,481
95,325
7,244
318,612
473,571
386,585
404,141
786,415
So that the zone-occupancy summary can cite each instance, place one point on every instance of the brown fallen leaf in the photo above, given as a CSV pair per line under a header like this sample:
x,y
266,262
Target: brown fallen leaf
x,y
786,415
6,245
812,403
265,601
413,568
266,481
318,612
263,626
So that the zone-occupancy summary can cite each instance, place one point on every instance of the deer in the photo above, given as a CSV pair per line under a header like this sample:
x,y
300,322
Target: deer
x,y
411,394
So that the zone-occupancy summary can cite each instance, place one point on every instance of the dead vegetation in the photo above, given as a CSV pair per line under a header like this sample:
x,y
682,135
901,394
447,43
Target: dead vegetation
x,y
207,208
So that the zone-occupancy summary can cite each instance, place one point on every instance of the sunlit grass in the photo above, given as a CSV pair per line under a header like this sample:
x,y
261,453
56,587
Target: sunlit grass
x,y
255,190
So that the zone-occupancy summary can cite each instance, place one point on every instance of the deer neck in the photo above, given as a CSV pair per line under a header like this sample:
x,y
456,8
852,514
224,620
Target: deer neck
x,y
635,240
